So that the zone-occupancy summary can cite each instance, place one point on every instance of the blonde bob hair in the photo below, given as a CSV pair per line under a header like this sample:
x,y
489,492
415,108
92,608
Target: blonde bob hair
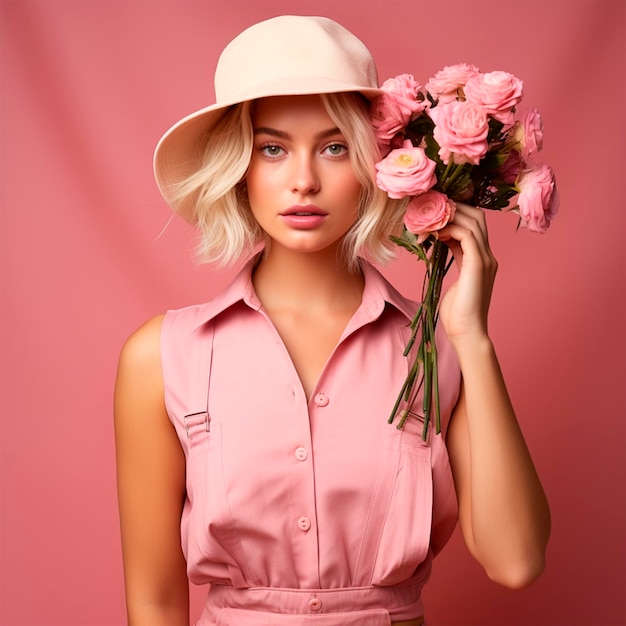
x,y
222,213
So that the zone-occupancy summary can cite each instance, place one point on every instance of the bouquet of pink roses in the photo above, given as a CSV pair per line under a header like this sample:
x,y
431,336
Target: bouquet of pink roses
x,y
458,139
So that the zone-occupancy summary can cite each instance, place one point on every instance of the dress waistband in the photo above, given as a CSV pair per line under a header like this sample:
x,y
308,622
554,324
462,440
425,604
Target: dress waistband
x,y
359,606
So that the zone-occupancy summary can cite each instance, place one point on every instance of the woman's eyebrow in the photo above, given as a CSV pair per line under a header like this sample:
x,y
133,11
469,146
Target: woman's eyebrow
x,y
281,134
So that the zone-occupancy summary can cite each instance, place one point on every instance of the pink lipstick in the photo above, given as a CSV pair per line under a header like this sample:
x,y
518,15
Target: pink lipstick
x,y
304,216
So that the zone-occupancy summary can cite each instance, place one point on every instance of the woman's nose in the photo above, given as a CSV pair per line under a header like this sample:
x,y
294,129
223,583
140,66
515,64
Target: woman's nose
x,y
304,175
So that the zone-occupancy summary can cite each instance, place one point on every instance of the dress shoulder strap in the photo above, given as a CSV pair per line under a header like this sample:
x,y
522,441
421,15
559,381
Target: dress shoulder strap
x,y
187,357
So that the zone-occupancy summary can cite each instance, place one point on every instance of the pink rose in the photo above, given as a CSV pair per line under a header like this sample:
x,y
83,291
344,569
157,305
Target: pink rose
x,y
406,171
448,83
428,213
461,130
538,199
496,92
530,134
393,110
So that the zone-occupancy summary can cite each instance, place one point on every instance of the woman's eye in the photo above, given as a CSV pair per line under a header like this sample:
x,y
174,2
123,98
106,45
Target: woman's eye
x,y
337,149
271,150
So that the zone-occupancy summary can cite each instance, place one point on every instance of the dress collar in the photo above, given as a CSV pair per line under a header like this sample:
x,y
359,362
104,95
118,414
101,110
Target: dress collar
x,y
377,292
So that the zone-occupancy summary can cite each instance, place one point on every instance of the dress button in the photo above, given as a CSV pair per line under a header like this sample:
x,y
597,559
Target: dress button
x,y
304,523
321,399
301,454
315,604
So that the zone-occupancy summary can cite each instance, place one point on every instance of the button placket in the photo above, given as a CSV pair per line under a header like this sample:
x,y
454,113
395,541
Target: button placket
x,y
302,480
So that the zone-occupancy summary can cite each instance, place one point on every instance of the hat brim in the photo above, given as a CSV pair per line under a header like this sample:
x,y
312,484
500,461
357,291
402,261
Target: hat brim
x,y
179,152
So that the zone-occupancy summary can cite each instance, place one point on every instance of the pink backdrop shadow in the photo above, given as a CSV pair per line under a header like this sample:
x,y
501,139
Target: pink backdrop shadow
x,y
87,89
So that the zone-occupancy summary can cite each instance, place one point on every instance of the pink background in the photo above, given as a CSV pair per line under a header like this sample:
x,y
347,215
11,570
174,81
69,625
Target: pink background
x,y
87,89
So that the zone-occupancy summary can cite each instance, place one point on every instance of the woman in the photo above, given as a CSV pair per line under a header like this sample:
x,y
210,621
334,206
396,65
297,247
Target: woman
x,y
260,417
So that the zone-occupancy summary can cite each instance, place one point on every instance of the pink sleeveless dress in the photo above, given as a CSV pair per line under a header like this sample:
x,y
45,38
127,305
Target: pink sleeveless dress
x,y
305,512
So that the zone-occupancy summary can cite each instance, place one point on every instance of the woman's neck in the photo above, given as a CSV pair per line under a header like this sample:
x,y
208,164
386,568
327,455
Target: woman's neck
x,y
317,281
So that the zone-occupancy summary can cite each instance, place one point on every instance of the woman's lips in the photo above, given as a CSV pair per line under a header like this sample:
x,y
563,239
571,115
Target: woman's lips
x,y
304,217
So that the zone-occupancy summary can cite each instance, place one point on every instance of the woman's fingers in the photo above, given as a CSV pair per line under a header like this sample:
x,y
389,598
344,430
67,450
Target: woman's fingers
x,y
465,306
469,229
465,210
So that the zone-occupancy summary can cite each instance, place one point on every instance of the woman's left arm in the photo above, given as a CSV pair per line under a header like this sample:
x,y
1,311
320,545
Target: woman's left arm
x,y
503,511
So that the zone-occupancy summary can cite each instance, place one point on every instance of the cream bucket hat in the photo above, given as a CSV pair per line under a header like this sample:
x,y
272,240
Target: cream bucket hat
x,y
287,55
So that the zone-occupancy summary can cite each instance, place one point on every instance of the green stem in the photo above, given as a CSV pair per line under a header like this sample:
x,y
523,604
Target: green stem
x,y
448,181
425,361
447,170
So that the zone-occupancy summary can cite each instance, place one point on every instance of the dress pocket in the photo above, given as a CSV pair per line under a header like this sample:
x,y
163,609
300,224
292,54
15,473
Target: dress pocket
x,y
405,536
212,536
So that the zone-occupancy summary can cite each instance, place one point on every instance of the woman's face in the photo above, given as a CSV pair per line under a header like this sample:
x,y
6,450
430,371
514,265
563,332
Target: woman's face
x,y
301,185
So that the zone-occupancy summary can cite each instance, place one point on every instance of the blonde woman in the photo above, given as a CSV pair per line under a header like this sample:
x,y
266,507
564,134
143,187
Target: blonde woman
x,y
253,447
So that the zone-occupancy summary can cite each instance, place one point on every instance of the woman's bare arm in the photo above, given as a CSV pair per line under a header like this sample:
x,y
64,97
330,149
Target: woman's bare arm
x,y
503,511
151,487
